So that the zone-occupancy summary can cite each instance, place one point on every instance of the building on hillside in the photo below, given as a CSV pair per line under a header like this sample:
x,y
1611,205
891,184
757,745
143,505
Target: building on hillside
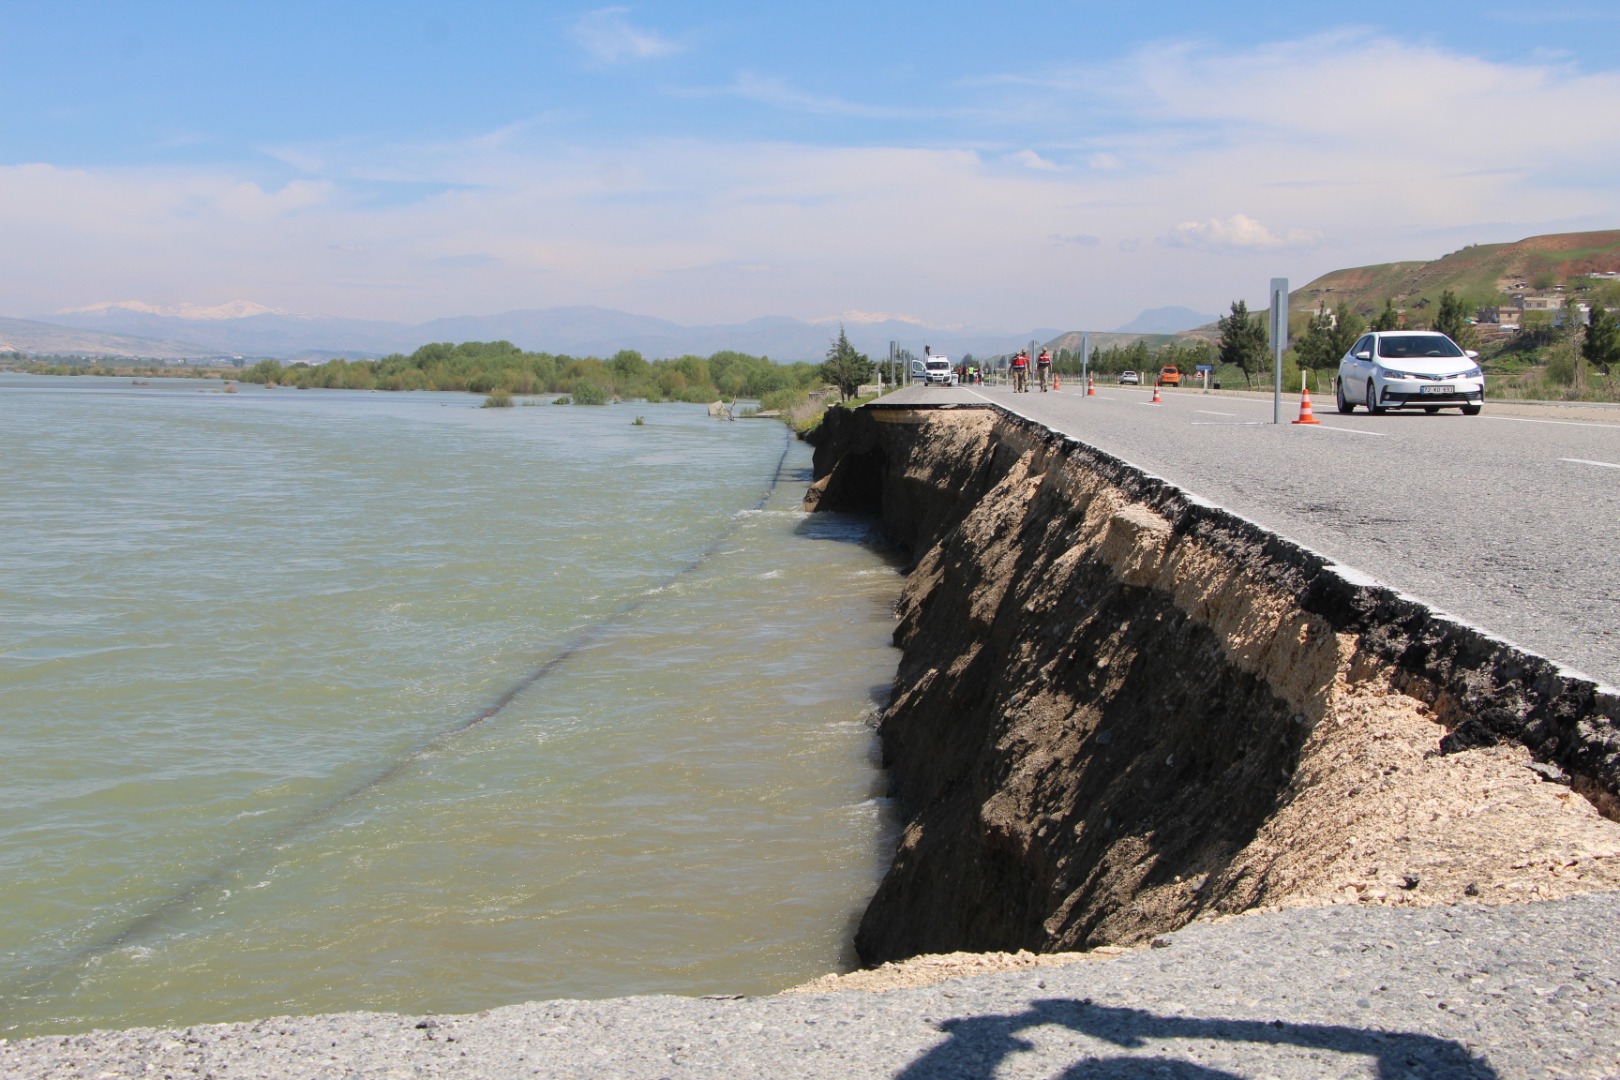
x,y
1556,306
1539,302
1505,317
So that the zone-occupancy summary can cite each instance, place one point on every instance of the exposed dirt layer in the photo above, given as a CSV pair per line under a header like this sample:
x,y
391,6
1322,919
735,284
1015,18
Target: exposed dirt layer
x,y
1118,710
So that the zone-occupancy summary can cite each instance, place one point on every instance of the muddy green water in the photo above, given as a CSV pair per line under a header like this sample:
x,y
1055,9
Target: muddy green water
x,y
316,701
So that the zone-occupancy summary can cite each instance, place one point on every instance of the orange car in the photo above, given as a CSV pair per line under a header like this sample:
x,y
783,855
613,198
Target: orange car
x,y
1170,375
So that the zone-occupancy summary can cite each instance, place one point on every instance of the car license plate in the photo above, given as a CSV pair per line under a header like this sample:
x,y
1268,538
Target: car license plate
x,y
1442,389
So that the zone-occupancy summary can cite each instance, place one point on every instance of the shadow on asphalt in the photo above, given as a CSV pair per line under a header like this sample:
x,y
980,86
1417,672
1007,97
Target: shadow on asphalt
x,y
979,1044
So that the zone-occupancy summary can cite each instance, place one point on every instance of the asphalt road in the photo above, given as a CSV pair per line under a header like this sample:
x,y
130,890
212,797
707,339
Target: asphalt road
x,y
1509,520
1464,993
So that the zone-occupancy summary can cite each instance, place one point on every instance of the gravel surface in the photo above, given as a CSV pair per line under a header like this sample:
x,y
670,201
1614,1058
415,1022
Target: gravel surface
x,y
1505,520
1529,990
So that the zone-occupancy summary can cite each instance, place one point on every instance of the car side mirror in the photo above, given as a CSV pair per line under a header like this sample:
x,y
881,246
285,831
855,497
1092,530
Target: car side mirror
x,y
1364,354
1471,354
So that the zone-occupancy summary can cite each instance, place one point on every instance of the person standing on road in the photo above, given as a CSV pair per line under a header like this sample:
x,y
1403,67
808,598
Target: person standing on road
x,y
1020,372
1043,368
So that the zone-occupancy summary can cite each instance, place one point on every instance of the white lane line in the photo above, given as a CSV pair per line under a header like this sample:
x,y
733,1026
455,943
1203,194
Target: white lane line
x,y
1563,423
1349,430
1583,461
1211,412
1233,423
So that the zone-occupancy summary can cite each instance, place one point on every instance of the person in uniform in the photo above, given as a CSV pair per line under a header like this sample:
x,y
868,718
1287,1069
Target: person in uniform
x,y
1043,369
1020,372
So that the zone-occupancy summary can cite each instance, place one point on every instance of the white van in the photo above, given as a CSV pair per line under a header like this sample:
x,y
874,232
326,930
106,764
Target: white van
x,y
938,370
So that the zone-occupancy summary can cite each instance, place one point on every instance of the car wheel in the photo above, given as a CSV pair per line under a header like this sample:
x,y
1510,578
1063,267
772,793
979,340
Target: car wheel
x,y
1473,409
1431,409
1372,400
1346,407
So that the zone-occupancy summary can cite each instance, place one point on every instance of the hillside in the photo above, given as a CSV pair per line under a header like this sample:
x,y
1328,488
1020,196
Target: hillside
x,y
1478,273
1105,341
47,339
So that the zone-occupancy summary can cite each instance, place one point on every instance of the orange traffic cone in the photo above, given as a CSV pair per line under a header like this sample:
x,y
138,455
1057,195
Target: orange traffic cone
x,y
1305,415
1091,386
1155,400
1057,383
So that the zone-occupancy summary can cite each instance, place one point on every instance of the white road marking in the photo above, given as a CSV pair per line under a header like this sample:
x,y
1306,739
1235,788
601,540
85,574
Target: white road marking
x,y
1209,412
1583,461
1236,423
1350,430
1564,423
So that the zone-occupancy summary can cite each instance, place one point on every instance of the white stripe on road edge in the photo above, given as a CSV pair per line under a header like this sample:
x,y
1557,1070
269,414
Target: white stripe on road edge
x,y
1583,461
1235,423
1565,423
1209,412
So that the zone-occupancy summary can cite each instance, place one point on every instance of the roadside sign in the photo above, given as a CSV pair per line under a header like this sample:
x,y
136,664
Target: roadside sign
x,y
1279,339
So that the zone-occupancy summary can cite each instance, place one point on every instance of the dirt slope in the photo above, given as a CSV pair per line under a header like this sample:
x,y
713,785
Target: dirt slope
x,y
1118,711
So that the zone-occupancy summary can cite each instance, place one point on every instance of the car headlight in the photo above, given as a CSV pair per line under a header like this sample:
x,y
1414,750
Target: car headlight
x,y
1390,373
1472,373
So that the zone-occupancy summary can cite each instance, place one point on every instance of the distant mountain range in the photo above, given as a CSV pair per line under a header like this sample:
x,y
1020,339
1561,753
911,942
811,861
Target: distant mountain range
x,y
252,331
51,339
1166,320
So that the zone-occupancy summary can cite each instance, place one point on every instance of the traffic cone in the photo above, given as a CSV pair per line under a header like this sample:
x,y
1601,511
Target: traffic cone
x,y
1155,400
1305,415
1057,383
1091,386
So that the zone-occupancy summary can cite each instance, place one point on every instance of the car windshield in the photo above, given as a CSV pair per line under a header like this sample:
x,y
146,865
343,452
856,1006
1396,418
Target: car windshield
x,y
1409,346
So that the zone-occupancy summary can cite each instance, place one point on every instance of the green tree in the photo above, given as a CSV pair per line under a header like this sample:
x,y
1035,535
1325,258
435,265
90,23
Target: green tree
x,y
1328,336
1388,319
1243,340
1452,320
845,368
1602,345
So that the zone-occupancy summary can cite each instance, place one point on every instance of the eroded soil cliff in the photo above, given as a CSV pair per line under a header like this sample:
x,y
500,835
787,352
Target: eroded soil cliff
x,y
1119,709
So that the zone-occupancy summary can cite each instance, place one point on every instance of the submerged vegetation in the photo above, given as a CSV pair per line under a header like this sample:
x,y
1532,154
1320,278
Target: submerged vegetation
x,y
483,367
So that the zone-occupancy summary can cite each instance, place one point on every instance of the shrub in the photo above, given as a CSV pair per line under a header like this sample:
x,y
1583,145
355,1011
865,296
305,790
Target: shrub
x,y
588,393
499,398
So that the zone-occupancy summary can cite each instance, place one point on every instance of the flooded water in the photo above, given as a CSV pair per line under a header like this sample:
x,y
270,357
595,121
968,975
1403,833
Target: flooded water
x,y
315,701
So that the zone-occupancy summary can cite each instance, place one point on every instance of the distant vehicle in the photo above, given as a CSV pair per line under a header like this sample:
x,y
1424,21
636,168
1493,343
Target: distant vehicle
x,y
1169,375
1129,378
1409,369
938,371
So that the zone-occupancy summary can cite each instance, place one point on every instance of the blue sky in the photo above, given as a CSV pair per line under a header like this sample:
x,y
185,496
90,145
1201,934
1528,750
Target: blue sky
x,y
1022,165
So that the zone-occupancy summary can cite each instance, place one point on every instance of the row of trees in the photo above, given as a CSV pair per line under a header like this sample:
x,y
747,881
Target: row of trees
x,y
1328,335
482,367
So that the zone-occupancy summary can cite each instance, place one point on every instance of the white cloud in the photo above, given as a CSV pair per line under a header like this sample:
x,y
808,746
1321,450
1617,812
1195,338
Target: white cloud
x,y
1237,231
776,92
714,229
1029,159
609,37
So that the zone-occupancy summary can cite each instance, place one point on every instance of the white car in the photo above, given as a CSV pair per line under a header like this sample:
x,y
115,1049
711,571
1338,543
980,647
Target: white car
x,y
1128,378
1410,369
